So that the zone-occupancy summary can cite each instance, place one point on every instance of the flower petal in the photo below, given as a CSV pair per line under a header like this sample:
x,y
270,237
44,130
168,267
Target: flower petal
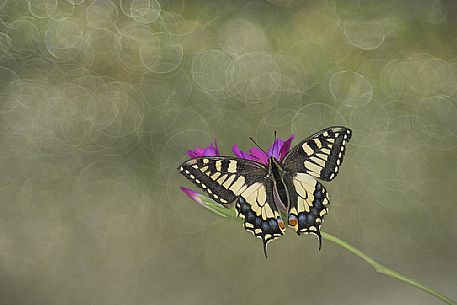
x,y
192,194
285,147
258,155
197,152
209,204
210,150
274,149
255,154
240,154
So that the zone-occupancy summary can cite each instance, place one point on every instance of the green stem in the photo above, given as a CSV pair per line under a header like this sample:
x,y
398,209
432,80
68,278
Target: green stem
x,y
385,270
230,213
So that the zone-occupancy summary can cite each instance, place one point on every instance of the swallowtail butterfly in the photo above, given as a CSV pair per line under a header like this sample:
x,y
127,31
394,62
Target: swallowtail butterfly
x,y
259,192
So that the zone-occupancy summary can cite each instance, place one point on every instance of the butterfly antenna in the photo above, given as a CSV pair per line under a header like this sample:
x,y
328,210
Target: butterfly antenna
x,y
258,145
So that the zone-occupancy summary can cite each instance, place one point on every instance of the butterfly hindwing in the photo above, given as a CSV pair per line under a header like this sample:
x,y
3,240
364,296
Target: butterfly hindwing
x,y
320,155
260,214
308,204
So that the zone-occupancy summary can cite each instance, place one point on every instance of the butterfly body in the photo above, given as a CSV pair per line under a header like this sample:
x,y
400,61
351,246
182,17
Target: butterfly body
x,y
263,193
280,192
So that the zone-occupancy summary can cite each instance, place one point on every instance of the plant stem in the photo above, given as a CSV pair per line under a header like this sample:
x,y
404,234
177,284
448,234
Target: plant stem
x,y
230,213
385,270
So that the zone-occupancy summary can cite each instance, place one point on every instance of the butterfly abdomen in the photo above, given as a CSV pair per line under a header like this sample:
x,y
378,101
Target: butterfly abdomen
x,y
278,184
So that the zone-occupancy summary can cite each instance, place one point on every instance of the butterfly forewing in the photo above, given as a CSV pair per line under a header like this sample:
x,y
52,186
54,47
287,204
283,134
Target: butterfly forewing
x,y
320,155
223,178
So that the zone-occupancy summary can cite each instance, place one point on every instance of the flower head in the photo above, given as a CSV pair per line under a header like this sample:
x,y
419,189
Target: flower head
x,y
210,150
209,203
192,195
278,150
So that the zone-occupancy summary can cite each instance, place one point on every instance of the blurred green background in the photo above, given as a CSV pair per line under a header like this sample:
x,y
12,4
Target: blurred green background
x,y
99,100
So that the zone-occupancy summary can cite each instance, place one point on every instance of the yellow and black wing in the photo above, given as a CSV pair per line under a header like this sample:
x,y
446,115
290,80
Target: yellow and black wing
x,y
320,155
308,204
245,183
261,216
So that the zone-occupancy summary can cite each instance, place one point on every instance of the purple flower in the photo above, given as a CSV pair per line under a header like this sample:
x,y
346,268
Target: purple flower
x,y
278,150
211,150
209,203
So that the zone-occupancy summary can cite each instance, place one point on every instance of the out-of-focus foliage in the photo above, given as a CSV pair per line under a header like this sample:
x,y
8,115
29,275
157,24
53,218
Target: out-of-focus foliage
x,y
99,101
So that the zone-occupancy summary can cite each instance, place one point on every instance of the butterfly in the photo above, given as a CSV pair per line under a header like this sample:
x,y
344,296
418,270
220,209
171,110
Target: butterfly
x,y
261,191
